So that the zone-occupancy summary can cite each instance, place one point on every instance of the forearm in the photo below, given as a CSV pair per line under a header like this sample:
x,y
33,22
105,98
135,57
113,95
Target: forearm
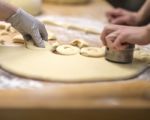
x,y
6,11
143,13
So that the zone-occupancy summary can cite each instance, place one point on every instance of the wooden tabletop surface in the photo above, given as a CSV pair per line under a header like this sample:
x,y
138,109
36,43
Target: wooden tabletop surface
x,y
129,94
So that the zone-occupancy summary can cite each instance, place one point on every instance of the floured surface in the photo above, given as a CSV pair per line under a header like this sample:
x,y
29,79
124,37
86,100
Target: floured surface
x,y
45,65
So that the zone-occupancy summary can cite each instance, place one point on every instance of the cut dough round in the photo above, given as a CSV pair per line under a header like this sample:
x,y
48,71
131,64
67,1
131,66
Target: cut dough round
x,y
67,50
93,51
18,39
79,43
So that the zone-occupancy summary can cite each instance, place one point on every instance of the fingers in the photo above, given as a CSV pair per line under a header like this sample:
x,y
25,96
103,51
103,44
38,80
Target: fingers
x,y
37,38
113,14
110,41
43,32
119,43
120,21
107,30
116,40
111,38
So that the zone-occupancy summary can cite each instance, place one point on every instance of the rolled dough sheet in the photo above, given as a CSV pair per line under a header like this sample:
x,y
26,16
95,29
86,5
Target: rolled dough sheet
x,y
45,65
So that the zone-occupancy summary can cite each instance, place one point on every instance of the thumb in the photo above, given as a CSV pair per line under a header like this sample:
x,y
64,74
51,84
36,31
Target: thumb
x,y
37,38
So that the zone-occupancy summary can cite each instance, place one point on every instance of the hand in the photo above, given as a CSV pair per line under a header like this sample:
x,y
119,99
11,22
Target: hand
x,y
123,17
118,37
29,27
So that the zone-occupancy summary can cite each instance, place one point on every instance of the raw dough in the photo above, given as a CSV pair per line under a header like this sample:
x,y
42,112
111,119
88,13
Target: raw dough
x,y
68,1
71,26
142,55
54,46
4,33
45,65
56,23
31,6
93,51
51,36
30,45
4,25
11,29
79,43
18,39
2,42
67,50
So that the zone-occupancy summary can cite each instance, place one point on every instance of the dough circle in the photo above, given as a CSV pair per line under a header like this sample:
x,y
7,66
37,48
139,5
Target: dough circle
x,y
67,50
93,51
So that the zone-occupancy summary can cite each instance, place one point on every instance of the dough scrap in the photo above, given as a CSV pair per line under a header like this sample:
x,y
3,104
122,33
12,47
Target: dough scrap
x,y
142,55
2,42
30,45
68,1
79,43
67,50
92,31
56,23
4,25
4,33
55,45
93,51
51,36
18,39
71,26
11,29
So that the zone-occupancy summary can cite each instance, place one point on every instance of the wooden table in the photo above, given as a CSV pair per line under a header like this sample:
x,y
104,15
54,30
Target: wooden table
x,y
128,99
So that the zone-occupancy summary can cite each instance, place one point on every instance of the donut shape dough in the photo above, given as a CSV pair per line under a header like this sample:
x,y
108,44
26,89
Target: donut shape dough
x,y
45,65
93,51
67,50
